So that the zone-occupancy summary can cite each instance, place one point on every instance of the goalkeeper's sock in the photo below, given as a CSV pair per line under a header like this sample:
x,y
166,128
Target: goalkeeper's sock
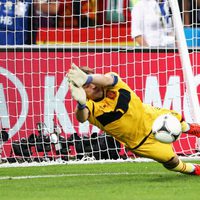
x,y
186,168
185,126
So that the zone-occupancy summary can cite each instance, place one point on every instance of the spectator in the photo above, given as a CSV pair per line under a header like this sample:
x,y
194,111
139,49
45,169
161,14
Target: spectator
x,y
77,13
16,20
184,9
68,13
88,13
196,16
190,12
44,15
151,24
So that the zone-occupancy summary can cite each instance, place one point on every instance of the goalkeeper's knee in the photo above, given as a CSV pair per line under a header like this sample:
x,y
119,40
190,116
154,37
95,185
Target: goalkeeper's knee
x,y
172,163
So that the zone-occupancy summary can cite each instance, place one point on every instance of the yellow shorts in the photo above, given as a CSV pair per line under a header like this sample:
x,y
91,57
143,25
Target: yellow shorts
x,y
155,150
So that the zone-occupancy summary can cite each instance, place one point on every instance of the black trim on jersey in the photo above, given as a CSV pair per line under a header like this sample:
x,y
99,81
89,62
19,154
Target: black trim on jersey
x,y
122,104
93,109
142,142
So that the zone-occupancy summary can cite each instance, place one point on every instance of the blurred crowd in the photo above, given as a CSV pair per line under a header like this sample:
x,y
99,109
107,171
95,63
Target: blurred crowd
x,y
191,12
21,19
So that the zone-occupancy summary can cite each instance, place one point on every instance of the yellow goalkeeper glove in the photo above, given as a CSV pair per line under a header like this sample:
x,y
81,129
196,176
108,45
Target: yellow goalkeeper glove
x,y
78,77
78,94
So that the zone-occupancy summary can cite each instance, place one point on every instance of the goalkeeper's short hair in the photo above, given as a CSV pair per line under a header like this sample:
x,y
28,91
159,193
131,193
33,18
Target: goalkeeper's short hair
x,y
87,70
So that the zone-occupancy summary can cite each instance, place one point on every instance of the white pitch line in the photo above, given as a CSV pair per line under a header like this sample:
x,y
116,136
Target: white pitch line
x,y
75,175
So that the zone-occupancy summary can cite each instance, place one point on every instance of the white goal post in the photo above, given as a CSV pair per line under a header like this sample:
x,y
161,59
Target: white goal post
x,y
191,86
185,61
37,121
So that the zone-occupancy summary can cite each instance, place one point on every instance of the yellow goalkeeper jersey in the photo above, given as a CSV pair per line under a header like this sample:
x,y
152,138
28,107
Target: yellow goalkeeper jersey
x,y
122,114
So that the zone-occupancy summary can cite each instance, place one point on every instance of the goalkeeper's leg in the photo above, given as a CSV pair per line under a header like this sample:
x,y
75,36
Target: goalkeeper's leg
x,y
175,164
164,153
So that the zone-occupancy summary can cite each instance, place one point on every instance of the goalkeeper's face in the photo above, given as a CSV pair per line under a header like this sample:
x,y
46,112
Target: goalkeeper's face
x,y
93,92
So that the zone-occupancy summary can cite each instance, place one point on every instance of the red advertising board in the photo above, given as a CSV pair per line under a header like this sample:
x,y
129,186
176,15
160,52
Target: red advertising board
x,y
34,87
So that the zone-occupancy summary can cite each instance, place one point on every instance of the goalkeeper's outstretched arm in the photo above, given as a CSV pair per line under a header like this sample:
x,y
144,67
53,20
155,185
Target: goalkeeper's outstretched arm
x,y
79,95
87,86
82,114
80,78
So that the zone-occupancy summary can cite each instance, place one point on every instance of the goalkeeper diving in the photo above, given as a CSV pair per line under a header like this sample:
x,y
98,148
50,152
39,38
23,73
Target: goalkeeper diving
x,y
108,103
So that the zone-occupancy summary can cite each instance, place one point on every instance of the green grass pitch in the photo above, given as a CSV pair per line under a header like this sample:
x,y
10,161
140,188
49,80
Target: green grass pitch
x,y
110,181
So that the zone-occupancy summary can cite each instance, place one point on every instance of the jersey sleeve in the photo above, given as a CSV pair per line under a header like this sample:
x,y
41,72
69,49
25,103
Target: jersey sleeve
x,y
115,77
90,107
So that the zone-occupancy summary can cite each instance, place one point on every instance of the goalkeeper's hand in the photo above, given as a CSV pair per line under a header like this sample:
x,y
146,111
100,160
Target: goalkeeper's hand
x,y
78,93
77,76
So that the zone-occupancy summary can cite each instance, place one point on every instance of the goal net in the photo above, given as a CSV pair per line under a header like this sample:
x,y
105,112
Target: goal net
x,y
37,121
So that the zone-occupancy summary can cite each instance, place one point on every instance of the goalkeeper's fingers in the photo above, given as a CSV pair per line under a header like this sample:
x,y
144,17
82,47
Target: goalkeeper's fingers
x,y
75,67
71,86
71,75
77,77
73,90
77,93
72,72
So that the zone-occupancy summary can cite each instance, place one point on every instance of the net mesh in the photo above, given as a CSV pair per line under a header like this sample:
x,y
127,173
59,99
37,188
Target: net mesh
x,y
37,119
